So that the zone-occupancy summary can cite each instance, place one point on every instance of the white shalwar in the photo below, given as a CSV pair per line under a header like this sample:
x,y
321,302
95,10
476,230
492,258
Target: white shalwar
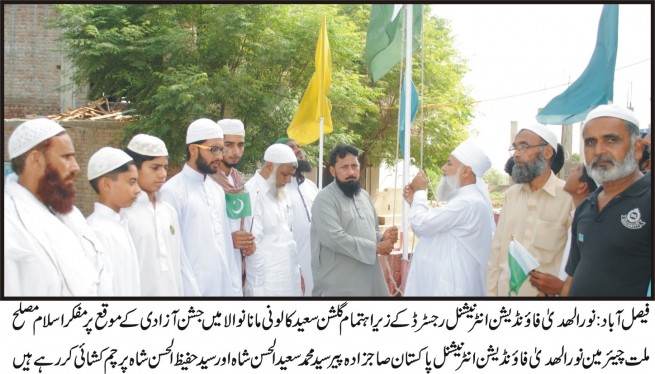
x,y
455,242
155,231
48,254
273,269
302,197
112,231
206,234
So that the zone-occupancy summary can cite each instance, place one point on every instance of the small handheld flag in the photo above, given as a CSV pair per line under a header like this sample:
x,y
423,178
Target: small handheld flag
x,y
521,262
238,205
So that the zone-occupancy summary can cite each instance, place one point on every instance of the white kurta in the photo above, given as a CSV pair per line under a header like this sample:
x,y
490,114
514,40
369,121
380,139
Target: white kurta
x,y
301,198
155,231
48,254
112,231
455,241
200,206
273,269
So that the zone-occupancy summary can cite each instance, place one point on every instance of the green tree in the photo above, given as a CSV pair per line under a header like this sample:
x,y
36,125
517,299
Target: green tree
x,y
179,62
494,177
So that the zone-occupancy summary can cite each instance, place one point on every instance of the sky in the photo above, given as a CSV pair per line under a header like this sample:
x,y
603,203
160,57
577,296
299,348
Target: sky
x,y
520,56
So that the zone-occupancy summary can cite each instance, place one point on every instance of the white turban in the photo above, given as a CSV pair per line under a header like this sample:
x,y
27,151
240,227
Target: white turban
x,y
280,154
29,134
203,129
147,145
545,133
232,127
612,110
105,160
470,154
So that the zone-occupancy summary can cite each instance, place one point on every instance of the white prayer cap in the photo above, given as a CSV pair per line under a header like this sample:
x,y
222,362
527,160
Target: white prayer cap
x,y
232,127
612,110
546,134
105,160
147,145
280,154
29,134
203,129
471,154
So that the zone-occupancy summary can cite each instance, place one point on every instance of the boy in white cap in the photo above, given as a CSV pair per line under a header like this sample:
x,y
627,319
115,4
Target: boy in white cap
x,y
154,226
273,269
452,255
113,176
612,233
200,206
49,250
231,180
536,212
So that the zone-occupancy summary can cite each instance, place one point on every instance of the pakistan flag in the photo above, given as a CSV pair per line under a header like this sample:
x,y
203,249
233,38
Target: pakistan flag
x,y
238,205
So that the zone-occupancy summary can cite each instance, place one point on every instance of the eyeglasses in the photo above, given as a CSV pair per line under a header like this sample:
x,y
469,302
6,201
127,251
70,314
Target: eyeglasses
x,y
523,147
213,149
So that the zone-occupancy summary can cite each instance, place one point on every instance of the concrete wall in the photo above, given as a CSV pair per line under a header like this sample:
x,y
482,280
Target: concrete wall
x,y
88,137
34,67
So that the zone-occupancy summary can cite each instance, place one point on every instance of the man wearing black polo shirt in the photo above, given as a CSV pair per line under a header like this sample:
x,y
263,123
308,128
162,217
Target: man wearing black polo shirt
x,y
611,246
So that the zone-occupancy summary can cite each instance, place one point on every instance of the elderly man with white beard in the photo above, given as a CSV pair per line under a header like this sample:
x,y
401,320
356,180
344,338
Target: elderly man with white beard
x,y
273,269
302,193
612,232
455,239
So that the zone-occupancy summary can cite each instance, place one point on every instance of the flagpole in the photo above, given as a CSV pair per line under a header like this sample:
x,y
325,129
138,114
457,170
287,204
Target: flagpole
x,y
321,102
320,151
408,113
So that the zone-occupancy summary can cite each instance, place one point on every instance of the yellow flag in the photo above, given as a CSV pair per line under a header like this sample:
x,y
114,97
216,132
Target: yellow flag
x,y
305,126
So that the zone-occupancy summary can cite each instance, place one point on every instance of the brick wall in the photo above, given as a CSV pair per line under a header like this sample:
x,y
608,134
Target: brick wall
x,y
34,68
88,137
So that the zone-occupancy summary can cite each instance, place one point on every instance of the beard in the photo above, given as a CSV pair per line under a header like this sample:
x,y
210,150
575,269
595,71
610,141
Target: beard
x,y
349,188
229,165
601,174
203,166
526,173
448,186
55,191
303,167
279,193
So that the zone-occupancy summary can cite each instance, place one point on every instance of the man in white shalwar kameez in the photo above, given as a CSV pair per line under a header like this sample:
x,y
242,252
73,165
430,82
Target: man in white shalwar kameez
x,y
113,176
49,250
231,180
302,193
200,206
273,269
154,227
455,239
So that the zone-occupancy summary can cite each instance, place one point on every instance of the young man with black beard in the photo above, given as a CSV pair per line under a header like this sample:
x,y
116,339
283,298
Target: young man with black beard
x,y
49,248
231,180
536,212
345,234
302,193
200,206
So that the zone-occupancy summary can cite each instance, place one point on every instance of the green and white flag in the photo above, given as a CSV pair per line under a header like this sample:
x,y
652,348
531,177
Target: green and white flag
x,y
521,262
238,205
